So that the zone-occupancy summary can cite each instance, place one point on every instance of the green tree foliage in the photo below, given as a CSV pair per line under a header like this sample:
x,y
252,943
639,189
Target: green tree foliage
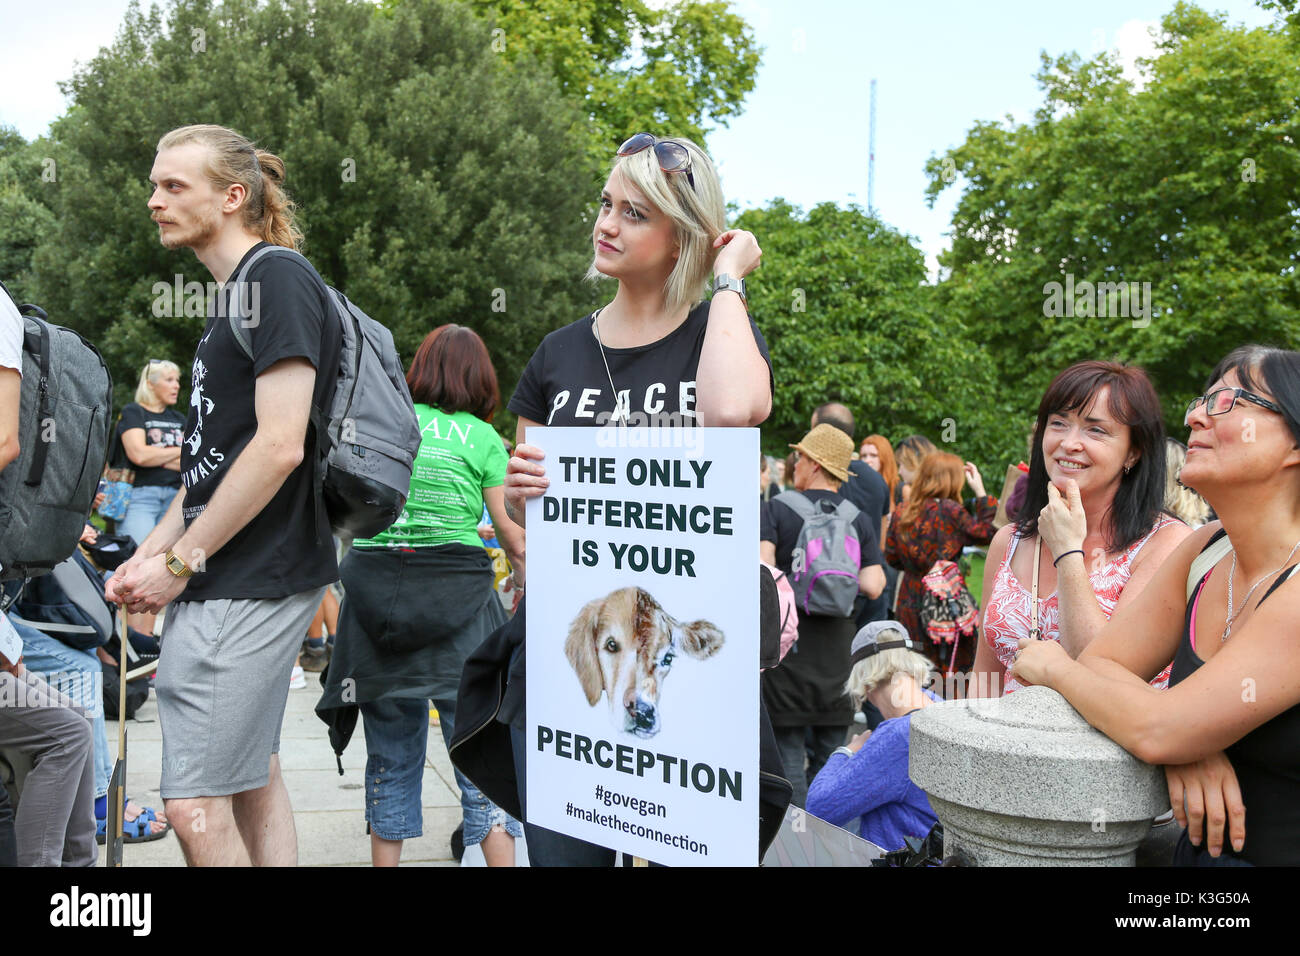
x,y
426,176
631,67
1187,184
26,185
842,301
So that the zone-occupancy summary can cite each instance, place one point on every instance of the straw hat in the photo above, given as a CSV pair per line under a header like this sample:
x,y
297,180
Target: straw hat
x,y
830,448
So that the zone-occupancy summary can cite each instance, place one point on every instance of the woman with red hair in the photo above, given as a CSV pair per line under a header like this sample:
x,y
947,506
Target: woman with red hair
x,y
934,526
879,456
420,598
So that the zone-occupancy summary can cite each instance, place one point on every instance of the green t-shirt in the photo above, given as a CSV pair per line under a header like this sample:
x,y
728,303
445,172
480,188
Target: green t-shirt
x,y
459,456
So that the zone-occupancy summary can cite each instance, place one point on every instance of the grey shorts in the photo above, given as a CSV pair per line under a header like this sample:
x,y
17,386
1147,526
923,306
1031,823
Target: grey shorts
x,y
223,682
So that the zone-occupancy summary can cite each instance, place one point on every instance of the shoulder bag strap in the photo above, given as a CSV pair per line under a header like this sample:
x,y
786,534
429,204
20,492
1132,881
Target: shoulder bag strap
x,y
1035,632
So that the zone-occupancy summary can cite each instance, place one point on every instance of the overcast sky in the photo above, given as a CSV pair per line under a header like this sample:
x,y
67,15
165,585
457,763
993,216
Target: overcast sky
x,y
940,66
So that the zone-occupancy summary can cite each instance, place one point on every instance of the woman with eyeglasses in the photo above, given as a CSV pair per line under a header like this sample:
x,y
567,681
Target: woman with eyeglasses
x,y
1225,606
658,353
1092,530
150,430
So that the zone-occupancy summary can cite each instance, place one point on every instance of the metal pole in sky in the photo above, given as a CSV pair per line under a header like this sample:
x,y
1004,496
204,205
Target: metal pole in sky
x,y
871,155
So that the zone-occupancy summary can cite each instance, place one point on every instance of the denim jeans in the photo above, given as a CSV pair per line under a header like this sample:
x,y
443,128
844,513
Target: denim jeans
x,y
148,504
79,676
397,734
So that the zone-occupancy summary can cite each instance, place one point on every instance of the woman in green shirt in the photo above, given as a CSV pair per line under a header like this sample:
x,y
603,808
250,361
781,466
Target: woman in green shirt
x,y
420,597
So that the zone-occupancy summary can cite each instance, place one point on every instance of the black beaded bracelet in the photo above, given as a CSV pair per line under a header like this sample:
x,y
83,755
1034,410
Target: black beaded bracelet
x,y
1075,551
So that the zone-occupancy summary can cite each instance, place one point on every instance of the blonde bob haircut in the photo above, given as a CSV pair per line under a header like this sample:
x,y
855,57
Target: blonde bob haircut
x,y
154,371
879,669
698,215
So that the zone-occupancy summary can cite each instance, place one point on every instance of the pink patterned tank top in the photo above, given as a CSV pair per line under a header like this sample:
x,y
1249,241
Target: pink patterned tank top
x,y
1006,619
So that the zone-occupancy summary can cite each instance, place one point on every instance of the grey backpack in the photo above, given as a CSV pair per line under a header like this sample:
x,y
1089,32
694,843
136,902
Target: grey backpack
x,y
366,444
63,422
826,556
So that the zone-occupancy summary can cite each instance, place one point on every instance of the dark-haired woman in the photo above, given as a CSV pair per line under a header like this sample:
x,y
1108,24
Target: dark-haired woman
x,y
1225,607
420,597
1092,520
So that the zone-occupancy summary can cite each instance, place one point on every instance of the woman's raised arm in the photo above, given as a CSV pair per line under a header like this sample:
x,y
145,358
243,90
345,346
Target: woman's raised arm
x,y
733,382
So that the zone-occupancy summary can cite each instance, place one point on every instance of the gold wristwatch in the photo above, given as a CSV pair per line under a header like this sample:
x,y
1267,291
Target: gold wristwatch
x,y
176,566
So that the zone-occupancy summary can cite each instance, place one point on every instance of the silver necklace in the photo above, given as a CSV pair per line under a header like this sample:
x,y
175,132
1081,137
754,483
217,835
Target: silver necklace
x,y
1232,616
595,321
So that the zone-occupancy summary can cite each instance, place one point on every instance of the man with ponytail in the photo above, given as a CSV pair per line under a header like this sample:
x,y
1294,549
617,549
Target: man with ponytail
x,y
245,550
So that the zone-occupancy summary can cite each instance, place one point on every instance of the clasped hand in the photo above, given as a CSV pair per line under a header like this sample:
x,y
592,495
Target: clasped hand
x,y
1036,659
1206,791
143,585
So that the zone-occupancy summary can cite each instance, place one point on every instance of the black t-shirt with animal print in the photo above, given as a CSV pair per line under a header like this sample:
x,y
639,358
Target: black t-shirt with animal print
x,y
287,547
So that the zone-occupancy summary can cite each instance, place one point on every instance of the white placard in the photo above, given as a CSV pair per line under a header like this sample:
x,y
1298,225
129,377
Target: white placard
x,y
643,677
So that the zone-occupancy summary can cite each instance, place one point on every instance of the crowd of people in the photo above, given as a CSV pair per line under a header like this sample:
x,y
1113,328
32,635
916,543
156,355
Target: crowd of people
x,y
1113,549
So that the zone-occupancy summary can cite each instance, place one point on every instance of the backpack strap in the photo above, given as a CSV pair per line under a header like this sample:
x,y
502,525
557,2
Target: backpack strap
x,y
1210,555
798,503
235,316
847,510
316,418
38,344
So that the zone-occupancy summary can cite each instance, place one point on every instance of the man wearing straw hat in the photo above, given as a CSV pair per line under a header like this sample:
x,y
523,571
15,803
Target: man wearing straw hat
x,y
805,696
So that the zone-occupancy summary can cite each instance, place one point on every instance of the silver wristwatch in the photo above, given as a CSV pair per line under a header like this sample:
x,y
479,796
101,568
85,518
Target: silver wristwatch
x,y
726,283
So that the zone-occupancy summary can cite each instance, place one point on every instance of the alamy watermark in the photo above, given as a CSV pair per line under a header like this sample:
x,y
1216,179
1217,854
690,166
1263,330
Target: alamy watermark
x,y
1125,300
198,300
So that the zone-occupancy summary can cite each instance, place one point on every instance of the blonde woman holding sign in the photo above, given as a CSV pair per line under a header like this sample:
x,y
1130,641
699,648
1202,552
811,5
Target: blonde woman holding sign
x,y
658,354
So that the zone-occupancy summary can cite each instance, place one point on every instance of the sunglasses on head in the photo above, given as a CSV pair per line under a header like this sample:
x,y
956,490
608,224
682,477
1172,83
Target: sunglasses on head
x,y
673,157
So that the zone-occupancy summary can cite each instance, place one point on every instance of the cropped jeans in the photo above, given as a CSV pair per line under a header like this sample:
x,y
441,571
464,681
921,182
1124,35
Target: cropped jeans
x,y
148,505
397,734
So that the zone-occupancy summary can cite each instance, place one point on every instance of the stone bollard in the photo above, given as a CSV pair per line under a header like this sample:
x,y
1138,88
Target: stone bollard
x,y
1024,780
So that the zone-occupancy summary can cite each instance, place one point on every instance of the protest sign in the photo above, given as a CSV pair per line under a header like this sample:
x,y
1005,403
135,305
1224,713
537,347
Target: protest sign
x,y
643,638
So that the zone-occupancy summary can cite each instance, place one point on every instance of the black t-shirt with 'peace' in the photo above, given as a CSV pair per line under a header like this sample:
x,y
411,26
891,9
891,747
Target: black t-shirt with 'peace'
x,y
566,383
287,547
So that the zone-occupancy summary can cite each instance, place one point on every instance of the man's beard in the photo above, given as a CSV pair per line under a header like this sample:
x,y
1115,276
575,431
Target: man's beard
x,y
200,233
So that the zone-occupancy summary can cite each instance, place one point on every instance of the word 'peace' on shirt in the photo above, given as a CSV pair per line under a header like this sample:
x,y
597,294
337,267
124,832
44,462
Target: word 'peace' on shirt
x,y
565,382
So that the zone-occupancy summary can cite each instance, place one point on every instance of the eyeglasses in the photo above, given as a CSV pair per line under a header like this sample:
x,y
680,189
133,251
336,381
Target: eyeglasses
x,y
673,157
1222,400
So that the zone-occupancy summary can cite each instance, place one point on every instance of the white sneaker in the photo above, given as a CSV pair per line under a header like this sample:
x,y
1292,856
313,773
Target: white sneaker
x,y
298,680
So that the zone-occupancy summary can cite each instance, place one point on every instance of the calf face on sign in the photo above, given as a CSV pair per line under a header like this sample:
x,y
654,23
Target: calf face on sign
x,y
623,646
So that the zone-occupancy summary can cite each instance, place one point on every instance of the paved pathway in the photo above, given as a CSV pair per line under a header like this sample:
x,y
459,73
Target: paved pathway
x,y
327,808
